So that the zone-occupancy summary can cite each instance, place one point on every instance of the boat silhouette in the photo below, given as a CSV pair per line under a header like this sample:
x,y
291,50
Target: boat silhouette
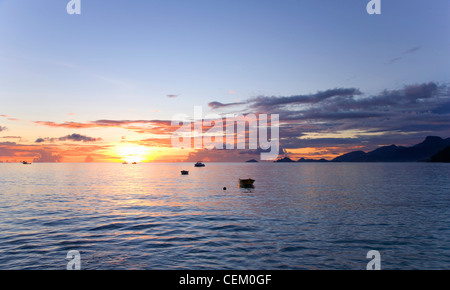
x,y
199,164
246,183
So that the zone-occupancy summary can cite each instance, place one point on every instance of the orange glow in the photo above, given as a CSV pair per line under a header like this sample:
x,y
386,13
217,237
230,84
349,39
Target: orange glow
x,y
318,153
133,153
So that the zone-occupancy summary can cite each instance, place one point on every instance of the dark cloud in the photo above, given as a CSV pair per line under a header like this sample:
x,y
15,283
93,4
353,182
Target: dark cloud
x,y
265,104
79,138
3,129
391,116
406,114
218,105
73,137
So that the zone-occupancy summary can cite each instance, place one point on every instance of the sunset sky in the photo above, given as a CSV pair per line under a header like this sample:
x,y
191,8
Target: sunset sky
x,y
104,86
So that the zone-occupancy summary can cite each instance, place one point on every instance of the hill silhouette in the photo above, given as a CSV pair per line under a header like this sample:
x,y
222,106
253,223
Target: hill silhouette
x,y
285,159
441,156
419,152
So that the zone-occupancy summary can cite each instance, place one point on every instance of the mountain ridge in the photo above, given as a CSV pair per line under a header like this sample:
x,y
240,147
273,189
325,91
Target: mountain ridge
x,y
419,152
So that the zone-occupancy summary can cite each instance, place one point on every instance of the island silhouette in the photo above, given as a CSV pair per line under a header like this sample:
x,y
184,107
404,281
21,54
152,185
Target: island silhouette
x,y
433,148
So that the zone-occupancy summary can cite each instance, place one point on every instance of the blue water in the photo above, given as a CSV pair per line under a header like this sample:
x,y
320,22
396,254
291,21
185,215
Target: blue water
x,y
298,216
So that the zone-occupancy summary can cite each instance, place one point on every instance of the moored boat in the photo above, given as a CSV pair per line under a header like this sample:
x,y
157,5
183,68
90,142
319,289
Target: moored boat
x,y
199,164
184,172
246,183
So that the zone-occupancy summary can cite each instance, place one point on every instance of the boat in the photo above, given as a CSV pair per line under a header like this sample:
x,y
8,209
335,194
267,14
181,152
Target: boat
x,y
184,172
125,162
246,183
26,163
199,164
134,163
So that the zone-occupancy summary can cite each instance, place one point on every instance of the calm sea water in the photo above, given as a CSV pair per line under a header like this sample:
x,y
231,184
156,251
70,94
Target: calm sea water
x,y
298,216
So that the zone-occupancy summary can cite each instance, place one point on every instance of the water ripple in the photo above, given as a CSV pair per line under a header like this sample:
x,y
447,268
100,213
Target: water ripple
x,y
308,216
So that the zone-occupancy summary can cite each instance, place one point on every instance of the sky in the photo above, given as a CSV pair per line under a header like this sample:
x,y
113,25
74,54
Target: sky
x,y
104,85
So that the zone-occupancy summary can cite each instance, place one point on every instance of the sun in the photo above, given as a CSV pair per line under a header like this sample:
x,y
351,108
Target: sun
x,y
133,153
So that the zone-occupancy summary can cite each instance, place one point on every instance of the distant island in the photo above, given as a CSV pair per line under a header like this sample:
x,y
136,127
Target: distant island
x,y
251,161
432,149
287,159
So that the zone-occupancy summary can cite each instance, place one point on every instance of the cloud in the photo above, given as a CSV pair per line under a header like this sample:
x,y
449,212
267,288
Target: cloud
x,y
14,152
3,129
137,126
341,104
8,143
70,125
47,156
412,50
267,103
336,118
79,138
17,152
403,54
73,137
412,111
218,105
172,96
155,142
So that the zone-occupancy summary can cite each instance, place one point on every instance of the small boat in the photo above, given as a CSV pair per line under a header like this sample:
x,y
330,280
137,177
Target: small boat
x,y
199,164
26,163
246,183
134,163
125,162
184,172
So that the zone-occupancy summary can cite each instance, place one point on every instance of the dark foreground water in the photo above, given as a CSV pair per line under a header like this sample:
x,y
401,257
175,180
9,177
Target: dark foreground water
x,y
298,216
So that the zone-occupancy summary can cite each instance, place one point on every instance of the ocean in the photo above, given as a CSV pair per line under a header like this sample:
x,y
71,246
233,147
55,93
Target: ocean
x,y
298,216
